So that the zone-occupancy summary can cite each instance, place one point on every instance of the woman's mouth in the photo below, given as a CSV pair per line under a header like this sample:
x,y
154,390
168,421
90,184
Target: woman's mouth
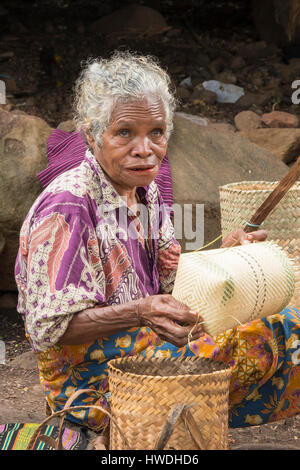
x,y
143,169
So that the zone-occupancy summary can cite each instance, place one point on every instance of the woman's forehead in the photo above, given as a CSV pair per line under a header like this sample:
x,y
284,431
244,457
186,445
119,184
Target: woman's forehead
x,y
146,109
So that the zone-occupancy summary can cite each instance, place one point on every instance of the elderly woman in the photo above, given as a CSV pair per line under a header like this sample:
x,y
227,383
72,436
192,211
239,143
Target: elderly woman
x,y
98,258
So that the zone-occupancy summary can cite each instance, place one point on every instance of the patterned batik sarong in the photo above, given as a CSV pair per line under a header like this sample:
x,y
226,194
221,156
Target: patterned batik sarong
x,y
17,436
264,355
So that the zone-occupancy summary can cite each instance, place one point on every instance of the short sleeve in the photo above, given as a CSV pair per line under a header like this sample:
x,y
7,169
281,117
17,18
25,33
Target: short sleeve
x,y
64,275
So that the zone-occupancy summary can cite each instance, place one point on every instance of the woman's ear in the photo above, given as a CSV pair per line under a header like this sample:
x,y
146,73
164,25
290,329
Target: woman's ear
x,y
90,140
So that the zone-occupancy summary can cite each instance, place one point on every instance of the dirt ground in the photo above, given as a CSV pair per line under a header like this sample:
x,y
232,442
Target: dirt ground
x,y
41,48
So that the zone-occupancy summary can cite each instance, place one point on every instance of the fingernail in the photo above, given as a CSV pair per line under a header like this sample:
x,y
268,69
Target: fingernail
x,y
245,242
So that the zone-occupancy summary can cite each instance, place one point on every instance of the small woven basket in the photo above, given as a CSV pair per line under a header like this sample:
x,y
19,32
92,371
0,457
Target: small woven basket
x,y
239,201
145,393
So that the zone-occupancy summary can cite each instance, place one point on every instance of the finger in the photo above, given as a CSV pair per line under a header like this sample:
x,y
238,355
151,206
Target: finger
x,y
171,330
178,310
234,238
183,315
179,336
259,235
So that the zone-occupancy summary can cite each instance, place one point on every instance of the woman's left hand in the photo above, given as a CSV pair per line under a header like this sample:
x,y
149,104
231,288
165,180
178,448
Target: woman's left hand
x,y
239,237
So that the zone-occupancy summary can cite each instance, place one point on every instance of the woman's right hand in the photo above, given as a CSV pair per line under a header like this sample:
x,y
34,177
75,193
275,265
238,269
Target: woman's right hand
x,y
170,319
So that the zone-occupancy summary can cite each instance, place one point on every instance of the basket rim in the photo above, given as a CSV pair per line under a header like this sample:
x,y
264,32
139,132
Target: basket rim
x,y
226,370
231,186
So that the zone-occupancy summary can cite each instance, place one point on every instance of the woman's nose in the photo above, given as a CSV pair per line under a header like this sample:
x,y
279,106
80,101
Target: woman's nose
x,y
141,148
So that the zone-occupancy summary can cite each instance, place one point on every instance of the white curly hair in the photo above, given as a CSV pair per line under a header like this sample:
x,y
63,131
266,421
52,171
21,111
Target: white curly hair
x,y
104,82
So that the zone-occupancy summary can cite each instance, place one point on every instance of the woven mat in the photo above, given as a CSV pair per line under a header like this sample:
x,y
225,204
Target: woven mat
x,y
16,436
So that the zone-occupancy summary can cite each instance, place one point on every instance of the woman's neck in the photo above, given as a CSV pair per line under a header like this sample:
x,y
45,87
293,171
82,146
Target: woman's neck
x,y
129,194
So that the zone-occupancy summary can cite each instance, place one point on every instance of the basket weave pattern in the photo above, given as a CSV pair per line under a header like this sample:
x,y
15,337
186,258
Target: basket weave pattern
x,y
239,201
144,391
235,285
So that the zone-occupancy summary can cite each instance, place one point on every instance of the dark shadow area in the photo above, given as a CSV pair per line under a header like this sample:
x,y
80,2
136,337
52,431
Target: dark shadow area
x,y
43,43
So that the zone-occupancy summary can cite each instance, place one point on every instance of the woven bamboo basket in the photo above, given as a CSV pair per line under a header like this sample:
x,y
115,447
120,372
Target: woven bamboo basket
x,y
239,201
232,286
145,394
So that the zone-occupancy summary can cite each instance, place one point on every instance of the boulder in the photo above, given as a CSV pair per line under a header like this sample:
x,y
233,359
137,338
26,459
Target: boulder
x,y
247,120
205,96
26,360
202,159
183,93
280,119
132,19
255,99
67,126
282,143
202,121
227,77
23,141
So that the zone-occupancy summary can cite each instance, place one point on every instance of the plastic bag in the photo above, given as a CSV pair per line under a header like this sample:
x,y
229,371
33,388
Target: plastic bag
x,y
226,92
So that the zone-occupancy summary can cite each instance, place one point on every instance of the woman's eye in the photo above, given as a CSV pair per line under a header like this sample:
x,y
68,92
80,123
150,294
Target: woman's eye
x,y
124,132
157,132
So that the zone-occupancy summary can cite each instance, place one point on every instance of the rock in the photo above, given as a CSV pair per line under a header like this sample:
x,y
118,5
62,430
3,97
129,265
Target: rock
x,y
282,143
133,19
52,106
257,50
257,81
255,99
222,127
274,85
207,96
227,77
205,122
202,159
18,111
237,63
247,120
30,101
201,59
284,71
217,65
5,107
200,121
26,360
67,126
183,93
11,85
23,141
280,119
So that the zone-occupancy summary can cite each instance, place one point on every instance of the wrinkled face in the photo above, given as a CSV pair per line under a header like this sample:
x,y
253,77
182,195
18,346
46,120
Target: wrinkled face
x,y
134,144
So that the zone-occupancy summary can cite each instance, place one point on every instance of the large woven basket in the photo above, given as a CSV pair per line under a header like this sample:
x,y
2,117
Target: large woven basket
x,y
228,286
239,201
146,393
